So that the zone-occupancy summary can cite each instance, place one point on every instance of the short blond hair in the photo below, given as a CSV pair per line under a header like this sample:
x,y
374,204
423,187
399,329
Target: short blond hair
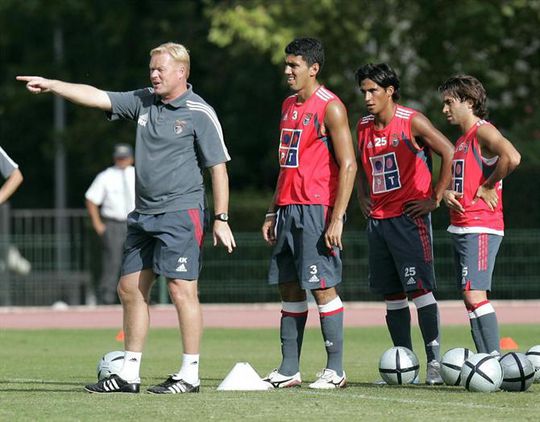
x,y
178,52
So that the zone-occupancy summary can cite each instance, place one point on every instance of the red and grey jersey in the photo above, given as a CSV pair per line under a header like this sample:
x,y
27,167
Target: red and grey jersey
x,y
397,171
309,171
469,171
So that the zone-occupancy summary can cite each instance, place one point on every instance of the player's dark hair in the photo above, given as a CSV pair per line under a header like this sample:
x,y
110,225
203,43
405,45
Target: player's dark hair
x,y
311,50
382,74
467,87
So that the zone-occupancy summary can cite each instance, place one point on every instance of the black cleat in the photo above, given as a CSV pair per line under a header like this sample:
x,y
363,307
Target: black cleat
x,y
113,384
174,386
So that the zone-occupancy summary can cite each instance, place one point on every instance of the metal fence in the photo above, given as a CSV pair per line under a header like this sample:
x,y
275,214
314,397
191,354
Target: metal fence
x,y
64,255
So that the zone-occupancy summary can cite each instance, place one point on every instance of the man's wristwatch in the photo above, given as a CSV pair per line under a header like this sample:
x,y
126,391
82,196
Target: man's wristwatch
x,y
222,216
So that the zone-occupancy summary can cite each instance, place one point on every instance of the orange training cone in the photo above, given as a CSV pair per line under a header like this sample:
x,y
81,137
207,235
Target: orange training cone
x,y
120,336
508,343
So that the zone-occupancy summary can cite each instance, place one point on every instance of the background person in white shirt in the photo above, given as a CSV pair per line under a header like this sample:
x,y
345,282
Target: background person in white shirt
x,y
109,200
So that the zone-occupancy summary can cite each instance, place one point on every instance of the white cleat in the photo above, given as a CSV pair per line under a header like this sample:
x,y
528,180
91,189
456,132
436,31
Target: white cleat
x,y
433,373
329,379
277,380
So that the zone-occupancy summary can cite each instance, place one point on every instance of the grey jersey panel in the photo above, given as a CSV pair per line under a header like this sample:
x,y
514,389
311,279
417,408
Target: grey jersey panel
x,y
7,165
174,143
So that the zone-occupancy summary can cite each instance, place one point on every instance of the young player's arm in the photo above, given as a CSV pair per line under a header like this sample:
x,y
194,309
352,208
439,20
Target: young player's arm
x,y
436,141
493,143
362,188
337,123
85,95
10,185
220,188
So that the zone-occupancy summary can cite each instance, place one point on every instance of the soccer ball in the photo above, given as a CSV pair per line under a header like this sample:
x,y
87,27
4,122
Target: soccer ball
x,y
110,363
518,372
534,356
481,372
398,365
451,365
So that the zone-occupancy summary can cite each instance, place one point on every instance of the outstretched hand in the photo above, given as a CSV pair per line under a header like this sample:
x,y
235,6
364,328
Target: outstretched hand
x,y
35,84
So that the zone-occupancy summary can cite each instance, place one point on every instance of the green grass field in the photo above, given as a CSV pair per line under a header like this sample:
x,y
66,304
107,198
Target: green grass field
x,y
42,373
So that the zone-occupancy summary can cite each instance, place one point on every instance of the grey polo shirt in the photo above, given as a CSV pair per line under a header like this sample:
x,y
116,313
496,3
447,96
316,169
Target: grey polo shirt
x,y
7,165
174,143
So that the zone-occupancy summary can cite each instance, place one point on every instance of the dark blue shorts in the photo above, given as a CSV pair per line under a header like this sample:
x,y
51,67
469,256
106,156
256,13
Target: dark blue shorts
x,y
169,243
475,255
300,253
400,254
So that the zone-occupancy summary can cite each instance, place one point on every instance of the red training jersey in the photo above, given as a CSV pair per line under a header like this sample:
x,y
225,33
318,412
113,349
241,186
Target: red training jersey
x,y
469,171
309,171
396,170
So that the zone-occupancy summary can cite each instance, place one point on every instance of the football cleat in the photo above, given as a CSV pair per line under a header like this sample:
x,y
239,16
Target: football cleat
x,y
329,379
276,380
113,384
433,373
174,386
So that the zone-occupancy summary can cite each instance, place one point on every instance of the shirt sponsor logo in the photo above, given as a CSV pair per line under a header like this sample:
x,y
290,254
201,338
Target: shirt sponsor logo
x,y
385,172
289,146
143,120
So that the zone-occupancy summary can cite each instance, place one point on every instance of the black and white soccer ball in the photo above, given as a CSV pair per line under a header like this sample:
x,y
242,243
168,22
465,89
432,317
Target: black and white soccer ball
x,y
518,372
482,373
110,363
398,365
451,364
533,354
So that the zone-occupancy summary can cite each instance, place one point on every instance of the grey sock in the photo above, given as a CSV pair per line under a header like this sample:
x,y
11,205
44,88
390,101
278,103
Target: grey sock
x,y
332,330
292,335
490,332
476,333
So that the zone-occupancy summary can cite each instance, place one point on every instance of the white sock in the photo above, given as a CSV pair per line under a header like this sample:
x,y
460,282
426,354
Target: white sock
x,y
189,371
132,365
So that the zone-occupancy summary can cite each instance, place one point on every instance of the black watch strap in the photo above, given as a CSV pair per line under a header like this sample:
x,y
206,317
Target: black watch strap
x,y
222,216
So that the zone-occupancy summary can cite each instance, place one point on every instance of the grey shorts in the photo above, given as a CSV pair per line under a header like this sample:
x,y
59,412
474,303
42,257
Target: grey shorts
x,y
300,253
400,254
475,255
169,243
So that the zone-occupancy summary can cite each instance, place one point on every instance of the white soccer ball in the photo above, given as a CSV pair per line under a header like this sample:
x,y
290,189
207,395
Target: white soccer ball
x,y
481,372
451,365
518,372
533,354
398,365
110,363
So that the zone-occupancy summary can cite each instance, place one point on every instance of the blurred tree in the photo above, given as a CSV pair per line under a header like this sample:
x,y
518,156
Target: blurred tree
x,y
237,52
425,41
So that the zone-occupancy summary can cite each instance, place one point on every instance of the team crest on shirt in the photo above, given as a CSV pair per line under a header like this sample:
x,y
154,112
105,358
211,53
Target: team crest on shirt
x,y
307,118
463,147
394,140
143,120
179,126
